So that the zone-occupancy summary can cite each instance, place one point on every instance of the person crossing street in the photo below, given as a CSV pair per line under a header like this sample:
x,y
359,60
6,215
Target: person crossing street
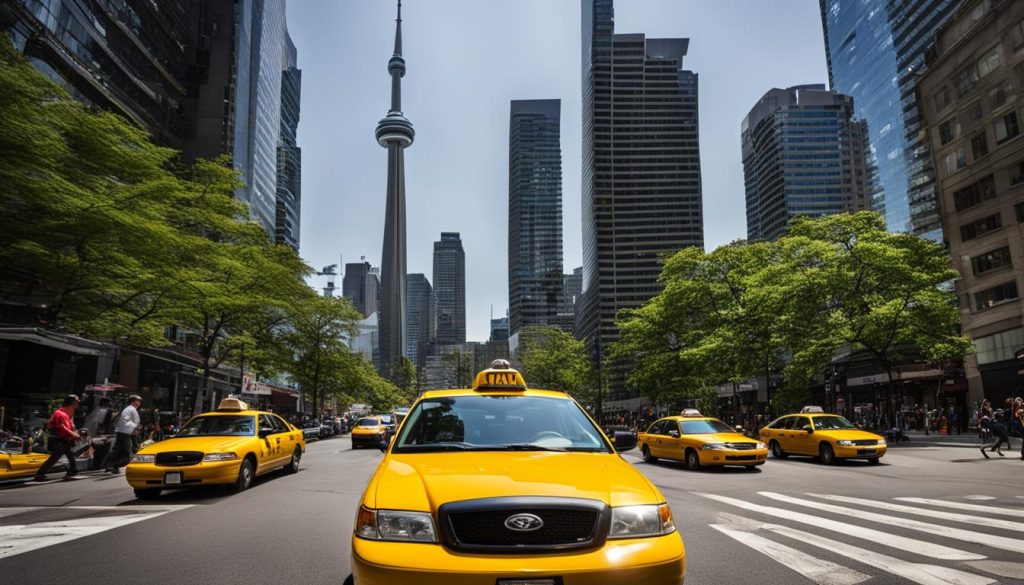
x,y
62,435
127,424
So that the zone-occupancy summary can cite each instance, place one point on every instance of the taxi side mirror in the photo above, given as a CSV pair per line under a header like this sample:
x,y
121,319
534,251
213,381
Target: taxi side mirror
x,y
809,429
624,441
674,434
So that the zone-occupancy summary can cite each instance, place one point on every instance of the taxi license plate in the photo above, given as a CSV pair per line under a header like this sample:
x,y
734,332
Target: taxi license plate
x,y
172,478
548,581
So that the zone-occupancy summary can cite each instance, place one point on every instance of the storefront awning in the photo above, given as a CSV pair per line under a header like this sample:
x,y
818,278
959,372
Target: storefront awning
x,y
60,341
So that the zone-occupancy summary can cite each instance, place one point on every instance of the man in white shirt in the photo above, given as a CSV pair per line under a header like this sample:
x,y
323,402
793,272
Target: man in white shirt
x,y
127,424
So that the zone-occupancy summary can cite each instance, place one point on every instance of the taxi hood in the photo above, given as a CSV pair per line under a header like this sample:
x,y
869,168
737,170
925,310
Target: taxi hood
x,y
723,438
848,434
425,481
209,444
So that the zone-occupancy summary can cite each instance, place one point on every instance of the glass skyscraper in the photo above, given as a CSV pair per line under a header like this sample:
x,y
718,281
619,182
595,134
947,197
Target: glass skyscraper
x,y
450,288
875,51
534,213
289,155
419,318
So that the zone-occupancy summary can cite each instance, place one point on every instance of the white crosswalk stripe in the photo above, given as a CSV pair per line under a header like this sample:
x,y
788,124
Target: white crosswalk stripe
x,y
21,538
876,553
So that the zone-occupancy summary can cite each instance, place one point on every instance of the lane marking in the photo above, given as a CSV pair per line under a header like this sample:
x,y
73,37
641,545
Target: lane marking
x,y
979,498
976,520
1001,568
817,570
970,507
928,549
1000,542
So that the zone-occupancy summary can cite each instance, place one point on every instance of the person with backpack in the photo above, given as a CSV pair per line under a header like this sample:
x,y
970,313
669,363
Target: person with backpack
x,y
62,436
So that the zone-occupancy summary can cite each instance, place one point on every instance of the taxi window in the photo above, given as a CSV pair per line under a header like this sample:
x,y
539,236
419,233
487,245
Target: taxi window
x,y
829,423
799,422
368,422
705,427
219,425
279,424
658,428
782,423
498,423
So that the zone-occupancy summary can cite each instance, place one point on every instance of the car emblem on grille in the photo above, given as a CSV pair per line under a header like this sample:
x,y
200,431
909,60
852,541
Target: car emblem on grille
x,y
181,457
523,522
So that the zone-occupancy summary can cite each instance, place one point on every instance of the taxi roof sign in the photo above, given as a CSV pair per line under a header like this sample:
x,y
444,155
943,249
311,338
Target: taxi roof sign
x,y
232,403
690,412
500,376
812,410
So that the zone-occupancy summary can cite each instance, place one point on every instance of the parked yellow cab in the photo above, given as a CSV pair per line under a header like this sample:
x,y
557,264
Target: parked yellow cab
x,y
501,485
370,431
700,441
229,446
15,465
829,437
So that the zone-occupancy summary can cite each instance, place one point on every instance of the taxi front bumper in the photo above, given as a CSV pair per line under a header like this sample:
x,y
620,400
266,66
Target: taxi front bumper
x,y
372,440
149,475
652,561
860,451
733,456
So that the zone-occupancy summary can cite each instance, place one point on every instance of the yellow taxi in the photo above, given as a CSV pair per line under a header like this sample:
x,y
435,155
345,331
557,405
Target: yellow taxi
x,y
504,485
369,431
699,441
829,437
15,465
229,446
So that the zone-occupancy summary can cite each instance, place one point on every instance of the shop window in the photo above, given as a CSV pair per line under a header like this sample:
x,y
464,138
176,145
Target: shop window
x,y
995,295
992,260
980,227
979,145
1006,128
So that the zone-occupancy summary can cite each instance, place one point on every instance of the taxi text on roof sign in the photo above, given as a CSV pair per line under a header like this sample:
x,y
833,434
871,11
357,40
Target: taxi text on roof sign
x,y
501,377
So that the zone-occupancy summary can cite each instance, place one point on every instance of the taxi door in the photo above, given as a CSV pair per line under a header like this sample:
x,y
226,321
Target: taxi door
x,y
654,437
270,444
800,440
289,437
673,441
783,434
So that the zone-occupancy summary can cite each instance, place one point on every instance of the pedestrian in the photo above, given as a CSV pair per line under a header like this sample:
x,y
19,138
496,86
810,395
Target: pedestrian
x,y
62,437
1020,423
127,424
998,427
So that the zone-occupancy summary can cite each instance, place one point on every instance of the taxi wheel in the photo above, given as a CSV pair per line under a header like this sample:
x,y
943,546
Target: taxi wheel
x,y
648,458
692,460
349,581
875,460
147,494
828,456
245,475
777,451
293,465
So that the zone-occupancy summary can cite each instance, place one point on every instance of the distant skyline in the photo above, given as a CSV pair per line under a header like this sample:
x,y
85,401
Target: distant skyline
x,y
466,61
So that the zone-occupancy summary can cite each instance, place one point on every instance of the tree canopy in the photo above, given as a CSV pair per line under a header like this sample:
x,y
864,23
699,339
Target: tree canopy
x,y
554,359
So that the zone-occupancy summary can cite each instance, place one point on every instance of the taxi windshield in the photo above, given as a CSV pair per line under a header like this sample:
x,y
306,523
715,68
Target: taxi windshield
x,y
369,422
703,427
499,423
219,425
828,423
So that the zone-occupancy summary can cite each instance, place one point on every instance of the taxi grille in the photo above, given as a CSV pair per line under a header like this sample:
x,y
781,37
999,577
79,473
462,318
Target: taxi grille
x,y
741,446
479,525
866,442
176,458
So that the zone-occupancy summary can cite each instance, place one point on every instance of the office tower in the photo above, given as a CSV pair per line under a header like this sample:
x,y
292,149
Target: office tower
x,y
289,155
974,121
129,57
360,284
875,52
641,168
395,133
572,289
803,155
450,288
534,213
499,329
419,318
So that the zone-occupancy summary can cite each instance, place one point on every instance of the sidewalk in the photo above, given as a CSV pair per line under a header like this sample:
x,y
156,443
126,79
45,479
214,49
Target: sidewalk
x,y
968,439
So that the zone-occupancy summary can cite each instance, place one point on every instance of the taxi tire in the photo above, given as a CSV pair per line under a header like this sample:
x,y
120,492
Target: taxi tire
x,y
293,465
827,454
646,453
777,451
875,460
246,473
349,581
692,460
147,493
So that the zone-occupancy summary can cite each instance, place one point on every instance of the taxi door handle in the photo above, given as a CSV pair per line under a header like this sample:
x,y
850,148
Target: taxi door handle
x,y
279,440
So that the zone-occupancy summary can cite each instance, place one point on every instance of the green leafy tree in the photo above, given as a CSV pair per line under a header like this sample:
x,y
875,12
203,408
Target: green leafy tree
x,y
460,367
405,378
554,359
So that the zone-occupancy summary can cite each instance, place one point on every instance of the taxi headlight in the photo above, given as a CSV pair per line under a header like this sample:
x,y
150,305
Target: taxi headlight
x,y
143,458
761,445
714,446
220,457
399,525
881,442
845,443
638,521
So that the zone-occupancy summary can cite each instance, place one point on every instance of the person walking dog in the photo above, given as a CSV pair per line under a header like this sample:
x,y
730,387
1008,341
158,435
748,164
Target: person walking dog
x,y
62,435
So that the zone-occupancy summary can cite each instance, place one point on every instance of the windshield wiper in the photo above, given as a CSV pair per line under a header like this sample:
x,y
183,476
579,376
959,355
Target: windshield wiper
x,y
454,446
531,447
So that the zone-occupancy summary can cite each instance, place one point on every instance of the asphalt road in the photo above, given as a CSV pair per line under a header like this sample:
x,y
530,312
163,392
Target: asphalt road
x,y
790,522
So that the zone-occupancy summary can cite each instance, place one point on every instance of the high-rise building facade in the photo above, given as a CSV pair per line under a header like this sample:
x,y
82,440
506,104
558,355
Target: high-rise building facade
x,y
534,213
450,288
499,329
289,155
130,57
875,52
803,155
419,318
970,98
641,168
361,285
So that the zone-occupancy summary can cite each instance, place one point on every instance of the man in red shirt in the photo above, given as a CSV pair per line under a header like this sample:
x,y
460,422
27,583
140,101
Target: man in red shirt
x,y
62,438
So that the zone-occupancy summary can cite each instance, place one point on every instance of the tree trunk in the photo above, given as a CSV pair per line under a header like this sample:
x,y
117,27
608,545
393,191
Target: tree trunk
x,y
890,393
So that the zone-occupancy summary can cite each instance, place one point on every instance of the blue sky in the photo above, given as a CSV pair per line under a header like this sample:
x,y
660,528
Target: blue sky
x,y
466,60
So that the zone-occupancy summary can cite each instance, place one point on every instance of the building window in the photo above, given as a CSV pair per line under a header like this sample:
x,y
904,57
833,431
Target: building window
x,y
995,295
955,161
942,99
979,145
948,131
966,80
999,347
1000,94
1019,208
1006,128
974,111
980,227
989,261
988,63
974,194
1017,36
1016,173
